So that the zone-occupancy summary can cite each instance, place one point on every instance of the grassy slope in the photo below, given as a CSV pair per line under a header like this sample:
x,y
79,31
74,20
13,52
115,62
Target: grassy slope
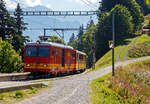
x,y
142,39
125,50
106,60
129,86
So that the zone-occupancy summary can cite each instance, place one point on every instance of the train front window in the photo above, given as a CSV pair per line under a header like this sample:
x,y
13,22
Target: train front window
x,y
43,51
31,51
37,51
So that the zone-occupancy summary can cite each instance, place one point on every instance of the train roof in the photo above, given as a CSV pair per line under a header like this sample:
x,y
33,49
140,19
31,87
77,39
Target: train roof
x,y
50,44
53,44
81,52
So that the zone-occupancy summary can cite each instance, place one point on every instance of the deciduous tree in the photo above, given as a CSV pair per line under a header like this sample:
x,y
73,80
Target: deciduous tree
x,y
123,28
132,6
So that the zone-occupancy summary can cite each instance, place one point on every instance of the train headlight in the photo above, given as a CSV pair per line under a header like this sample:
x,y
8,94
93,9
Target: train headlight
x,y
45,65
28,65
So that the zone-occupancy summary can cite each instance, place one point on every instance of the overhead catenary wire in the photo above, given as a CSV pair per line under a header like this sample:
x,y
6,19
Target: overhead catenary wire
x,y
89,5
92,3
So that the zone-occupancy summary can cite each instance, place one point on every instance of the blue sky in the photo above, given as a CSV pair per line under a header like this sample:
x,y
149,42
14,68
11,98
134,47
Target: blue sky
x,y
69,5
56,4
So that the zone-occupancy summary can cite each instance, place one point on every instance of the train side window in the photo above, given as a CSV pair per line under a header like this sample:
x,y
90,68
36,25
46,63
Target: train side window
x,y
73,55
56,51
52,52
81,57
60,52
63,57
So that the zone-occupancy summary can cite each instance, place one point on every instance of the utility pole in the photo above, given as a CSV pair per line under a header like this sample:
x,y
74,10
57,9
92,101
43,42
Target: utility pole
x,y
113,37
93,49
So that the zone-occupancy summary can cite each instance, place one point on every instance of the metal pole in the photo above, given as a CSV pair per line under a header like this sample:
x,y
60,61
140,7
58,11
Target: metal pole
x,y
94,58
44,32
63,34
113,37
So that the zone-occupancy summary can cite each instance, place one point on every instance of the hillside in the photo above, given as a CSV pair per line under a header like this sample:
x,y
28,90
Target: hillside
x,y
130,85
122,49
141,48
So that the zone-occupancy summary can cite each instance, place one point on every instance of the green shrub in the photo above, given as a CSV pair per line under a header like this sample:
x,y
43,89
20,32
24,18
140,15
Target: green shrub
x,y
33,90
19,94
1,96
140,50
10,61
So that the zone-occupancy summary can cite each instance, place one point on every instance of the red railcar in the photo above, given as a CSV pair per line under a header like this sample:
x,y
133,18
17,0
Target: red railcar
x,y
53,58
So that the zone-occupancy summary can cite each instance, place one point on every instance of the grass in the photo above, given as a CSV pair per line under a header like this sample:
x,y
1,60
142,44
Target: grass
x,y
16,96
139,49
125,50
97,96
106,60
130,85
143,38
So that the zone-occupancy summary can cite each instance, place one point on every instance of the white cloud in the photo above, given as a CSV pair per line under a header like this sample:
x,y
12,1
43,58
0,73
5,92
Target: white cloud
x,y
48,6
32,3
11,4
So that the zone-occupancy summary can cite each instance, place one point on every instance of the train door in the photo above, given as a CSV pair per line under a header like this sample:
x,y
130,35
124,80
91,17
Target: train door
x,y
68,59
73,61
77,61
52,58
63,58
57,59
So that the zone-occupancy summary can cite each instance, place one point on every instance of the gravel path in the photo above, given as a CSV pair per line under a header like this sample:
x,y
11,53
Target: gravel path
x,y
125,56
118,57
72,90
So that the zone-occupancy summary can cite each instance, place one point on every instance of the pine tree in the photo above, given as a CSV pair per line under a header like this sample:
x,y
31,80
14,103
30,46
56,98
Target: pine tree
x,y
80,31
91,23
6,22
72,38
20,26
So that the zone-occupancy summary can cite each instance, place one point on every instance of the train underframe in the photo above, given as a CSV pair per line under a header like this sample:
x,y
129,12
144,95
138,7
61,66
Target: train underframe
x,y
47,73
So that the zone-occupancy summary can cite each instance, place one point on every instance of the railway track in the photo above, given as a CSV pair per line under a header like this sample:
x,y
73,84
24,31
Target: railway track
x,y
28,76
21,81
14,76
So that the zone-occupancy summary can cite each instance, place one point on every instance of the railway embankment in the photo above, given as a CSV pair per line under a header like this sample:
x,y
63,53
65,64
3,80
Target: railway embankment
x,y
13,76
17,81
130,85
17,85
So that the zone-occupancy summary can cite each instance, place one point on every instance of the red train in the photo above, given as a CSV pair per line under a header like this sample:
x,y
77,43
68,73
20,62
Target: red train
x,y
53,58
